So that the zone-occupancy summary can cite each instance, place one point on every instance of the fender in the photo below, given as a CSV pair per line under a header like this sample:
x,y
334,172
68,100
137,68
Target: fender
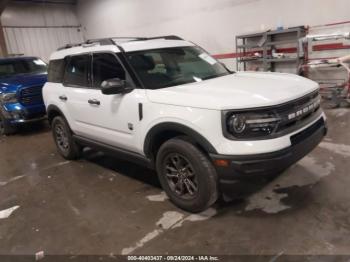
x,y
171,126
50,110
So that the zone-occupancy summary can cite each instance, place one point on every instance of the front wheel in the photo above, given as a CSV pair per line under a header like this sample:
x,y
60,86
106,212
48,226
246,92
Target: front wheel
x,y
64,139
186,175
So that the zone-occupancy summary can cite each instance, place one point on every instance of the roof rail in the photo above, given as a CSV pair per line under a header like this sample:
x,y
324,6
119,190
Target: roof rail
x,y
101,41
68,46
104,41
166,37
110,40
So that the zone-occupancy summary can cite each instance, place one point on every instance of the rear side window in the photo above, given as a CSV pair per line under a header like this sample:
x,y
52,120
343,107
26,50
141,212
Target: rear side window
x,y
106,66
56,71
77,71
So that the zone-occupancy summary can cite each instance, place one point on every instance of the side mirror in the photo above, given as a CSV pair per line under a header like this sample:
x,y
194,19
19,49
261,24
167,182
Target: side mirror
x,y
113,86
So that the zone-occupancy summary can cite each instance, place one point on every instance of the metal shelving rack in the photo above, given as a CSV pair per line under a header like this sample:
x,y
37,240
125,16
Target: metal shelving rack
x,y
264,42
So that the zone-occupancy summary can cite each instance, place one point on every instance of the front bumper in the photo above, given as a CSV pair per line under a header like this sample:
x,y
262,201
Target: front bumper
x,y
16,114
255,170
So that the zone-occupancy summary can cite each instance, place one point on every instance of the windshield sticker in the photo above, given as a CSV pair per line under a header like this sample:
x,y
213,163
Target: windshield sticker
x,y
197,79
207,58
39,62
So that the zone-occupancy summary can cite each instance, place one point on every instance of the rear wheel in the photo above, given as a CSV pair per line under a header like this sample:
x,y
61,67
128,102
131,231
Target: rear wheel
x,y
65,143
5,127
186,175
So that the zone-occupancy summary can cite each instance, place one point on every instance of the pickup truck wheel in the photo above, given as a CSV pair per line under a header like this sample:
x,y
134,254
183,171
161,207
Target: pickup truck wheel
x,y
64,140
186,175
6,128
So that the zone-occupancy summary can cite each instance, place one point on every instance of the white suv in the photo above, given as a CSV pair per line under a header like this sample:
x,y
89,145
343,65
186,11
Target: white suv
x,y
166,103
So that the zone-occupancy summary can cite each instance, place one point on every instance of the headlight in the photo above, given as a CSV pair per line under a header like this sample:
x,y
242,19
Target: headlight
x,y
251,125
237,124
9,98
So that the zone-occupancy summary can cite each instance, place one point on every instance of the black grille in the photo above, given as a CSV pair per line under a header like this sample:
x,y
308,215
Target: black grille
x,y
291,108
283,111
298,103
31,95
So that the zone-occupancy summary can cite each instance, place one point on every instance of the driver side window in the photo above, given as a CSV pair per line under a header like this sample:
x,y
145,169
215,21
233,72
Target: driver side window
x,y
106,66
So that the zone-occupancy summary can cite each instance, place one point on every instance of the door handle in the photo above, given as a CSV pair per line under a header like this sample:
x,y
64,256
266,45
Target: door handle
x,y
63,98
94,102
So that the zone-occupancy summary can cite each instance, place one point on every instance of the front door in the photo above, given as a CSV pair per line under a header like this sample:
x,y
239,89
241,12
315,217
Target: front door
x,y
110,119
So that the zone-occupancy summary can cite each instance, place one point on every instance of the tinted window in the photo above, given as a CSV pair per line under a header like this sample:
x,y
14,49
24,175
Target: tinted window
x,y
77,71
56,71
13,67
106,66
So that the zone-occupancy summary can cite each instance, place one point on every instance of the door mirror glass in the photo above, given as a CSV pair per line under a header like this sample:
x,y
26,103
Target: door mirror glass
x,y
113,86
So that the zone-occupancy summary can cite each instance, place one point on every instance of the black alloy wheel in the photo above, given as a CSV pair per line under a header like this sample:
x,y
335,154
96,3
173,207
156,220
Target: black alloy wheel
x,y
63,137
181,176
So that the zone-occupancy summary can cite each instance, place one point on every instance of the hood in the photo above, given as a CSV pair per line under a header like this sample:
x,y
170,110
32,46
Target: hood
x,y
241,90
13,83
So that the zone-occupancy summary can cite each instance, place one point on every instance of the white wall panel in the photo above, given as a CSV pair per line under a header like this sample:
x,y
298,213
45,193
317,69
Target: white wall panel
x,y
23,14
211,24
39,41
39,29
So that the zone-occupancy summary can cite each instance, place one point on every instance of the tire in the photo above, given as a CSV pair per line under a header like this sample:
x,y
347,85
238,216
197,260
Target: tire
x,y
181,162
5,128
65,143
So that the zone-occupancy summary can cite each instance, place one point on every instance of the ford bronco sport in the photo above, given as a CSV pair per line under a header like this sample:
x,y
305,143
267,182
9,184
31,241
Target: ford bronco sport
x,y
166,103
21,83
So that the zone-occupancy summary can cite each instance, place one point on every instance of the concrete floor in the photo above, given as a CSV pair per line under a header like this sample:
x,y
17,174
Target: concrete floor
x,y
99,205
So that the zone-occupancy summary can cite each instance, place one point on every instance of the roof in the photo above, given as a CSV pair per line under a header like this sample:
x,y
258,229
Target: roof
x,y
120,44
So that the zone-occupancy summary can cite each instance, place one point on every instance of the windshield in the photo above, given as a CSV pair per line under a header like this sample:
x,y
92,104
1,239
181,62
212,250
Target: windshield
x,y
18,66
174,66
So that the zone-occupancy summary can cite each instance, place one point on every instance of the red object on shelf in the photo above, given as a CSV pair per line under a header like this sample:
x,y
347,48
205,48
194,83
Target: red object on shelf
x,y
333,46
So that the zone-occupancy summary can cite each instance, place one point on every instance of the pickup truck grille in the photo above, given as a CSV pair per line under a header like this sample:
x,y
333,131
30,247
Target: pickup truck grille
x,y
31,95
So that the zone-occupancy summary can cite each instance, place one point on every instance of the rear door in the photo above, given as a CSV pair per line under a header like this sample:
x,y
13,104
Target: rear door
x,y
77,82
